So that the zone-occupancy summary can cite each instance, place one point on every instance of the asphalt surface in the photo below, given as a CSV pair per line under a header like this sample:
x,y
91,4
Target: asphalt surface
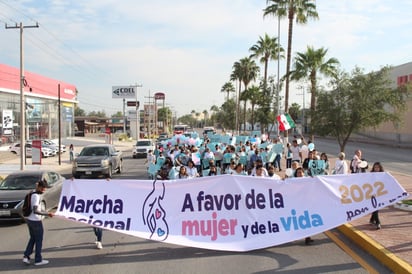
x,y
391,245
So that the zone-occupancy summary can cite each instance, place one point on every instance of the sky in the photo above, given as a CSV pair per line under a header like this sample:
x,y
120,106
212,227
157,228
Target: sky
x,y
186,48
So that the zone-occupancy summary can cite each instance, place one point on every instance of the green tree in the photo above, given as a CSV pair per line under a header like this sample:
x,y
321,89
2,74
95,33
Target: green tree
x,y
101,114
308,65
164,115
236,75
187,119
213,109
246,71
228,88
295,112
118,114
244,96
266,49
226,115
255,97
302,10
358,101
78,111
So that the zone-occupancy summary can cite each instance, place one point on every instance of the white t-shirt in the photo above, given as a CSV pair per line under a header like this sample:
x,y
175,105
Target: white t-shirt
x,y
295,153
192,172
35,201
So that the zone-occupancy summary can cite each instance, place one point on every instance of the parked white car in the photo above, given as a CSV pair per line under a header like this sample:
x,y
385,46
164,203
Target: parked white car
x,y
52,144
45,151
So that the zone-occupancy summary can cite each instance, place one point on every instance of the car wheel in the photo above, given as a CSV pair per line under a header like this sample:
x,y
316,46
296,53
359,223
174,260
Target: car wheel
x,y
120,168
76,176
134,156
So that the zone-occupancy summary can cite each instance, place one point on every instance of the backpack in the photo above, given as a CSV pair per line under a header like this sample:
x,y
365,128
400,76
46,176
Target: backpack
x,y
27,208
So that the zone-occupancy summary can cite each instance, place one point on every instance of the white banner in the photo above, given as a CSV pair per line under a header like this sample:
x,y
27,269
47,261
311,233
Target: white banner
x,y
124,91
7,119
228,212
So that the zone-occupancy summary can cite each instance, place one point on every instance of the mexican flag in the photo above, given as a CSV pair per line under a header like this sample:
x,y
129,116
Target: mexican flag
x,y
285,122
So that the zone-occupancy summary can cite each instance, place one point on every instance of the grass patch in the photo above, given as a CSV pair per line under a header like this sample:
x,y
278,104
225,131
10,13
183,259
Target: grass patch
x,y
407,202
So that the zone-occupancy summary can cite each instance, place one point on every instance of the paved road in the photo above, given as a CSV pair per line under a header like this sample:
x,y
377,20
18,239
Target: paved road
x,y
392,158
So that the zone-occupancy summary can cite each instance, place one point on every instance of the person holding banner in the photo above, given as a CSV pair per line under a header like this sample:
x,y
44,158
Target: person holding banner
x,y
374,220
35,225
324,158
239,170
183,173
272,174
300,172
192,169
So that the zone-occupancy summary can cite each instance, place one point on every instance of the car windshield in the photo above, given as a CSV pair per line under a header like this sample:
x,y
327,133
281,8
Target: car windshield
x,y
94,151
20,182
143,143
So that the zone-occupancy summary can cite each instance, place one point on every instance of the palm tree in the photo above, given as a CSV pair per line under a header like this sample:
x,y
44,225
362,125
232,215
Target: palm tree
x,y
308,65
245,70
302,10
244,96
228,88
267,49
236,75
249,73
255,97
205,114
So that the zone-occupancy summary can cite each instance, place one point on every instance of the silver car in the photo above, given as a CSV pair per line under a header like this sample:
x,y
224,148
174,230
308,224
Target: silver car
x,y
16,185
98,159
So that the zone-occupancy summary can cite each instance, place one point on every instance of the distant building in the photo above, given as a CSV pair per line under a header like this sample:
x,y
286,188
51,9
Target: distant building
x,y
398,134
41,99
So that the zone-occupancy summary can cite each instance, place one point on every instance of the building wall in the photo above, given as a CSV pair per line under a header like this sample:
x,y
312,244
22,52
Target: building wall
x,y
401,133
41,105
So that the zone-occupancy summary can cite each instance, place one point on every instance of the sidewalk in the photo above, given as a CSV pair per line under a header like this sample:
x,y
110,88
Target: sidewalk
x,y
391,245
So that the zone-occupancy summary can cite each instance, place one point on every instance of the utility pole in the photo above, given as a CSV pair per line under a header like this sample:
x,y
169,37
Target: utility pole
x,y
137,114
150,114
22,101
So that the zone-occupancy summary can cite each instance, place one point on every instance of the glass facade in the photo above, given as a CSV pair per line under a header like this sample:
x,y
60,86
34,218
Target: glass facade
x,y
41,118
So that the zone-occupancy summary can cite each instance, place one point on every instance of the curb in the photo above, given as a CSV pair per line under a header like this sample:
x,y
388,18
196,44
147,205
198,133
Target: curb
x,y
383,255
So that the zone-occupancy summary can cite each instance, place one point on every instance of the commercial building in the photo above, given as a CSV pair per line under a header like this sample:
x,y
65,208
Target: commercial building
x,y
397,133
42,95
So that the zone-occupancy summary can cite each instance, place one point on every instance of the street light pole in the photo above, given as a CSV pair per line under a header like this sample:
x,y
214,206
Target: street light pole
x,y
22,101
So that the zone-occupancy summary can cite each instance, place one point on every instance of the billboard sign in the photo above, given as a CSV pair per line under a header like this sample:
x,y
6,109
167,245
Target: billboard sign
x,y
7,119
159,96
124,91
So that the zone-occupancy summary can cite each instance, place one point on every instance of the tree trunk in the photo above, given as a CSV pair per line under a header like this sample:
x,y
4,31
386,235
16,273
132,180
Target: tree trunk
x,y
288,58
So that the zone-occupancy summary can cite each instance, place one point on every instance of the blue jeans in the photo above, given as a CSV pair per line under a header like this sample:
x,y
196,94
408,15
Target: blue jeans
x,y
276,162
99,233
36,239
